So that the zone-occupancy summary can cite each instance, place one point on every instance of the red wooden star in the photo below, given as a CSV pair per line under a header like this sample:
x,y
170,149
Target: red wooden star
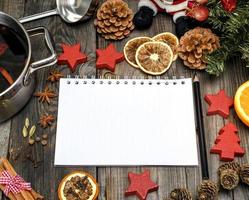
x,y
140,185
71,56
108,58
219,104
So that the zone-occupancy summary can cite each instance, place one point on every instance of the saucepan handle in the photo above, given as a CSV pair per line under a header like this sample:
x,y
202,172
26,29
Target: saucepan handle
x,y
46,62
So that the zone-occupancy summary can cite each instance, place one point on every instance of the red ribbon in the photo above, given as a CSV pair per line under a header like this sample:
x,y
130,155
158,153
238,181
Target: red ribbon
x,y
13,184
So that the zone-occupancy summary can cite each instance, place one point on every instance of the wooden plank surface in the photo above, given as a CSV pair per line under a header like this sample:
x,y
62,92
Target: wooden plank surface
x,y
113,180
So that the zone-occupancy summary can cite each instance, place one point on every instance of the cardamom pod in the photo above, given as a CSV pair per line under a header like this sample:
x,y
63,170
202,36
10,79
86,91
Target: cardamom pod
x,y
32,131
27,123
24,132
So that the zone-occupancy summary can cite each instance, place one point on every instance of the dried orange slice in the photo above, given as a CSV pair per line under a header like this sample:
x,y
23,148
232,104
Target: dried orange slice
x,y
131,47
79,183
169,39
241,103
154,58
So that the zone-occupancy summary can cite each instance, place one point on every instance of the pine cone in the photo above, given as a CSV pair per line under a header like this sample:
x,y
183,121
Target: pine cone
x,y
229,179
244,173
207,190
114,20
180,194
230,165
195,44
229,175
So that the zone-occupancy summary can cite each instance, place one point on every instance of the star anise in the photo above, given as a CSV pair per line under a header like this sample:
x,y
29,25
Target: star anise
x,y
46,120
46,95
55,76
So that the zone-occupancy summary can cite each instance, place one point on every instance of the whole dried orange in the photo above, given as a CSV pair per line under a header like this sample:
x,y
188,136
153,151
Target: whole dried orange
x,y
170,39
154,58
79,183
131,47
241,103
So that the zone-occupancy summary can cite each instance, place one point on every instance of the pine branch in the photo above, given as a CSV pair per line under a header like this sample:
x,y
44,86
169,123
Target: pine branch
x,y
232,28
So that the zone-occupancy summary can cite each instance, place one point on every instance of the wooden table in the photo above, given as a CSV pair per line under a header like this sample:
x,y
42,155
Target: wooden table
x,y
112,180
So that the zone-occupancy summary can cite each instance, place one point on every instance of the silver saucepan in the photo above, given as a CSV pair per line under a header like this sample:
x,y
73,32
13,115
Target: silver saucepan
x,y
16,56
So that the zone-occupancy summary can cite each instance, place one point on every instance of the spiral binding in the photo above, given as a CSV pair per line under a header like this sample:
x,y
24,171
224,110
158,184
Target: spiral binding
x,y
115,79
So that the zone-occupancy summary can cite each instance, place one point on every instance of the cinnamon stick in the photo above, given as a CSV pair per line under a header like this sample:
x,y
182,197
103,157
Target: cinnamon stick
x,y
36,195
11,196
6,75
26,194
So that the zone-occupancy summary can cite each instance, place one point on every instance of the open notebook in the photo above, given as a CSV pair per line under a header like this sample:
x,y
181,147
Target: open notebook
x,y
126,122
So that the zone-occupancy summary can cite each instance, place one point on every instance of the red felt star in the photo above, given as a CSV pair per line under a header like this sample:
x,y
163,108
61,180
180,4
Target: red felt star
x,y
108,58
140,185
219,104
71,56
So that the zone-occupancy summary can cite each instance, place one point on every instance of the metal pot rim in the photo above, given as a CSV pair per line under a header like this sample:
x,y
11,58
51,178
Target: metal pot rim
x,y
24,71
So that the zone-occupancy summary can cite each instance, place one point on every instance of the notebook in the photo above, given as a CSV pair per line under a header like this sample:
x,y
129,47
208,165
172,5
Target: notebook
x,y
125,122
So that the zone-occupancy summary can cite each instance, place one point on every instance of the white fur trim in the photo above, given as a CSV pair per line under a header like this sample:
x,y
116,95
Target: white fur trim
x,y
178,7
178,14
163,4
148,4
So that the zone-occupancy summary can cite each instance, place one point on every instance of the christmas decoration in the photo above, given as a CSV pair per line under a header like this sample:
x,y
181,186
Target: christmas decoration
x,y
13,185
180,194
55,76
219,104
207,190
180,9
230,165
244,173
232,28
241,103
229,5
114,20
229,175
198,12
140,185
131,47
71,56
46,120
171,40
195,45
229,179
78,185
46,95
227,143
154,58
108,58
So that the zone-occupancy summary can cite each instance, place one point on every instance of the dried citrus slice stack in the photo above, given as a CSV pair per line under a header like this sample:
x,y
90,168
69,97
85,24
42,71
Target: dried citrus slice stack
x,y
154,58
78,185
131,48
241,103
169,39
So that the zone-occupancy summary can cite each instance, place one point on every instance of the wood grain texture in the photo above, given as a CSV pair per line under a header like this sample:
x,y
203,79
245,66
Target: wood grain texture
x,y
45,178
113,180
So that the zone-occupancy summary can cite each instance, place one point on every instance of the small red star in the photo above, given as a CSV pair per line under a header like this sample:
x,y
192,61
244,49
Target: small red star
x,y
71,56
219,104
140,185
108,58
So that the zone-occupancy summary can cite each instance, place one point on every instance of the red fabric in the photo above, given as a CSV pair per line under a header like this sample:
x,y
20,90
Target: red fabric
x,y
13,184
174,3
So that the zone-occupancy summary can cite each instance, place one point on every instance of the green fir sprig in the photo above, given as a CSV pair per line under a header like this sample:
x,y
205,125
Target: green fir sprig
x,y
233,30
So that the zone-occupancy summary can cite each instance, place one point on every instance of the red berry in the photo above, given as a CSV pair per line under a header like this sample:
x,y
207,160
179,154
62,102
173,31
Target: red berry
x,y
198,12
229,5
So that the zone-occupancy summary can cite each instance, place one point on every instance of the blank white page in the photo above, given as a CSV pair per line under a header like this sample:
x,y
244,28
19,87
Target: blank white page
x,y
126,122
